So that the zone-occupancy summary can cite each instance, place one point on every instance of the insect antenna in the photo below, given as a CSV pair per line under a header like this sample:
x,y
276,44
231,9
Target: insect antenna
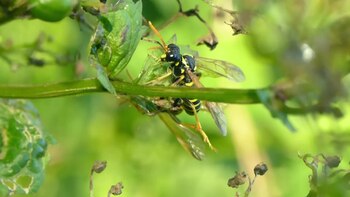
x,y
154,41
158,35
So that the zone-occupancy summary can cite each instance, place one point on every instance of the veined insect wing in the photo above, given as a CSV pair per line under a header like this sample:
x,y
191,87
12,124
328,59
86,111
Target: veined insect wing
x,y
189,140
186,50
153,67
219,68
147,71
172,40
218,116
213,67
214,108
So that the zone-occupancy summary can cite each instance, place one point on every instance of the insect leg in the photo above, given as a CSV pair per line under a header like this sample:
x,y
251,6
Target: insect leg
x,y
161,78
198,127
153,41
178,80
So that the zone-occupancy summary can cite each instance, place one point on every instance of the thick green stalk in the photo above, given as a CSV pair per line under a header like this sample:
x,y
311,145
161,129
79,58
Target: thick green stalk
x,y
246,96
92,85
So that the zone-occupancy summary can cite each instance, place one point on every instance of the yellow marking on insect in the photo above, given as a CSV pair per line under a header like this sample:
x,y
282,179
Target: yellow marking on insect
x,y
189,84
198,105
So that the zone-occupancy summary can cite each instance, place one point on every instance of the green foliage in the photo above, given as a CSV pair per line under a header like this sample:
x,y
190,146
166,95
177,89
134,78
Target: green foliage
x,y
117,35
275,107
22,148
305,43
51,10
326,179
303,46
104,80
46,10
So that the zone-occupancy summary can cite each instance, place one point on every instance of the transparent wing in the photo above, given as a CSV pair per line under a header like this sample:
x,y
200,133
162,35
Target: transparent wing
x,y
189,140
219,68
214,108
152,69
218,116
215,68
173,39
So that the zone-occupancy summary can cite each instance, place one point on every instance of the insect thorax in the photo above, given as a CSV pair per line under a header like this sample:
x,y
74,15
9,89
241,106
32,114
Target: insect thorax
x,y
189,61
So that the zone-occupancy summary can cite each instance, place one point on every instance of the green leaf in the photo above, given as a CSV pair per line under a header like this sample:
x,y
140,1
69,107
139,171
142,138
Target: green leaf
x,y
23,146
104,80
117,36
51,10
144,105
272,105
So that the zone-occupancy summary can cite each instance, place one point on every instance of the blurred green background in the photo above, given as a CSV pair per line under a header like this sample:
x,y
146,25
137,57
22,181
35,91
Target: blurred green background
x,y
140,150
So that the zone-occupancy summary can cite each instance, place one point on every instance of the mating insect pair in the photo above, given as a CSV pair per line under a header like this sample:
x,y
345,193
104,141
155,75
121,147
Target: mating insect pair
x,y
169,66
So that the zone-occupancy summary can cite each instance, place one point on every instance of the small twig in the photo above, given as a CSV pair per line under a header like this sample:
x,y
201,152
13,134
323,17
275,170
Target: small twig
x,y
188,13
98,167
220,8
236,22
313,165
212,41
91,185
249,189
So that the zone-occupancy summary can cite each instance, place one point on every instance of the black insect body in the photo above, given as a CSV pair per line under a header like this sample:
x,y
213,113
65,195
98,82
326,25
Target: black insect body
x,y
180,76
178,71
176,106
183,71
172,54
191,105
180,65
188,64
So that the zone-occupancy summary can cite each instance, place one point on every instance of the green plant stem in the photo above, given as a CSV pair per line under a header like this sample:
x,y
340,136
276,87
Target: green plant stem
x,y
246,96
92,85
